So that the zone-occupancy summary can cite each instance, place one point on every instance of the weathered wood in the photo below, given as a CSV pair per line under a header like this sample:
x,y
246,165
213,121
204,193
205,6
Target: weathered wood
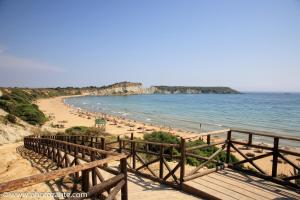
x,y
161,162
170,171
144,164
182,161
228,146
206,162
32,180
252,145
267,134
101,187
288,161
208,139
123,167
115,191
246,158
154,143
204,146
202,173
275,157
252,159
133,154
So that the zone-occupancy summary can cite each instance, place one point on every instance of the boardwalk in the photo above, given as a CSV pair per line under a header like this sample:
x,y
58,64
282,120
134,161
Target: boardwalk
x,y
229,184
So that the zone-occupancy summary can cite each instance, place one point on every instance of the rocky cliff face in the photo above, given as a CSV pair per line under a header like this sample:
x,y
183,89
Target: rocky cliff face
x,y
122,88
129,88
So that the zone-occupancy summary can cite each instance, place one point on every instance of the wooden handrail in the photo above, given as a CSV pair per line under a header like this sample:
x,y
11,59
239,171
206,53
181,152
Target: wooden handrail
x,y
267,134
76,145
154,143
35,179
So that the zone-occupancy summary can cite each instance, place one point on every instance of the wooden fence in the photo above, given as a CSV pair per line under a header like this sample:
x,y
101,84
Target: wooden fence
x,y
171,159
68,156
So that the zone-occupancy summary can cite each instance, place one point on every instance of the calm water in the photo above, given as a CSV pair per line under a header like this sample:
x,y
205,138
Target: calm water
x,y
259,111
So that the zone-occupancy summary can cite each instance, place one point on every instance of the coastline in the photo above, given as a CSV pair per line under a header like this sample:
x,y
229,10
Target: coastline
x,y
63,114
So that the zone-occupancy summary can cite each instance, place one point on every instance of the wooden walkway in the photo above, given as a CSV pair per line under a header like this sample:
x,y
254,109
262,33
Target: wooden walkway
x,y
230,184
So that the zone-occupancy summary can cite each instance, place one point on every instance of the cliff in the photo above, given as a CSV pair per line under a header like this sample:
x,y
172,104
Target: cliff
x,y
121,88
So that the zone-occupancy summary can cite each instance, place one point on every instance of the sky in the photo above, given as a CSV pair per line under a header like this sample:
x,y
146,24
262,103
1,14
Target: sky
x,y
247,45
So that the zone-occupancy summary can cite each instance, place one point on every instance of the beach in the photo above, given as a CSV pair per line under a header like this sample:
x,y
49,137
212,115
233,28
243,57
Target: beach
x,y
65,116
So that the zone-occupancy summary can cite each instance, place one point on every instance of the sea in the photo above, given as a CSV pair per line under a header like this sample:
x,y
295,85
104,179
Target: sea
x,y
272,112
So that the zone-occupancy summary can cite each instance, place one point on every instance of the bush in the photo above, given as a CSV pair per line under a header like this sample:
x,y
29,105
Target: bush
x,y
18,103
8,106
11,118
77,130
31,114
83,130
204,152
162,137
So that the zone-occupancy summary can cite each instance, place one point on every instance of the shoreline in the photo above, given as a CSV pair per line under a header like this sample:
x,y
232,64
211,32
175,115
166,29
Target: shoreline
x,y
64,114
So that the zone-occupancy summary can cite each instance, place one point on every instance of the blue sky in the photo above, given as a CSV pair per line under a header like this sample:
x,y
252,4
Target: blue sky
x,y
247,45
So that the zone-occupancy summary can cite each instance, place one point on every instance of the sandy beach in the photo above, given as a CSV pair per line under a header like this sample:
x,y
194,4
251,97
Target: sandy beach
x,y
66,116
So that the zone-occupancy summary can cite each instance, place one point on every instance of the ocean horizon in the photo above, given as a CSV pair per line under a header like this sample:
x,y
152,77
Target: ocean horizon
x,y
276,112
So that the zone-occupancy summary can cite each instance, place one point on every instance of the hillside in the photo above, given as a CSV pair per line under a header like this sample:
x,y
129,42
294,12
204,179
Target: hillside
x,y
193,90
121,88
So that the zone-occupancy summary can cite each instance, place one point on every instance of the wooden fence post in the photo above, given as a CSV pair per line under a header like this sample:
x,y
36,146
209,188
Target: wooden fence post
x,y
208,139
85,180
94,178
120,144
182,161
133,155
124,190
103,143
275,156
250,139
228,146
161,162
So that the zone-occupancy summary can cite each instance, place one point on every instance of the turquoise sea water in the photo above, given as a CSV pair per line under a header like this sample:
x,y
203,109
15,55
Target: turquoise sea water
x,y
273,112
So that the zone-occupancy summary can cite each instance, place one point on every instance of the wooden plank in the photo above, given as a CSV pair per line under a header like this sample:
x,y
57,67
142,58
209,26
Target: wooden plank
x,y
101,187
267,134
206,162
115,191
204,146
206,172
245,157
32,180
275,157
154,143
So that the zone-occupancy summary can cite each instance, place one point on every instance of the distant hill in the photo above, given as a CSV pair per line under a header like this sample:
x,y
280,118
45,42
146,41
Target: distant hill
x,y
193,90
121,88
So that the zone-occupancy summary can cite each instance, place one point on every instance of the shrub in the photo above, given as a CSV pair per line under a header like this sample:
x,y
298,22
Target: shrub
x,y
204,152
8,106
77,130
162,137
88,131
31,114
11,118
18,102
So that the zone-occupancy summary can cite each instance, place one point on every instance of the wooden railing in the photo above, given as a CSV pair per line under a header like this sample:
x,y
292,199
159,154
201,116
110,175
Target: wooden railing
x,y
141,154
273,150
68,156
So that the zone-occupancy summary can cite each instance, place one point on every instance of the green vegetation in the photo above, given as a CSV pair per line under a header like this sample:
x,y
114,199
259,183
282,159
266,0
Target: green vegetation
x,y
205,152
194,90
19,103
87,131
11,118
